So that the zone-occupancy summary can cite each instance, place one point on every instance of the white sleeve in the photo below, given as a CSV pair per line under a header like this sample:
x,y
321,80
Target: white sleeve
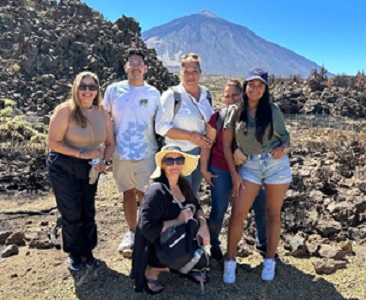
x,y
107,99
165,114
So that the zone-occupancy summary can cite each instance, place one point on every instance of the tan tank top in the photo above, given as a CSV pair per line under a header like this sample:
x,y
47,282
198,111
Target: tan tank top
x,y
90,137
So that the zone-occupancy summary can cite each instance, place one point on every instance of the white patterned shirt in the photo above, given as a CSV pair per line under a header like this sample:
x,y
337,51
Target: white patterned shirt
x,y
133,110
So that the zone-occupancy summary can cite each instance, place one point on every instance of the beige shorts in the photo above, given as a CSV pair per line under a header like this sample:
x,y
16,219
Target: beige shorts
x,y
130,174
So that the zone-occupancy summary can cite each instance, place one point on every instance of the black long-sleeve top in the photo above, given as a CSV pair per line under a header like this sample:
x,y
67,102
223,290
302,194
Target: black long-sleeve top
x,y
157,206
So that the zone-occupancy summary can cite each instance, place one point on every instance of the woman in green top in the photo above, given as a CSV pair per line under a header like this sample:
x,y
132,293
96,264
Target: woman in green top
x,y
258,127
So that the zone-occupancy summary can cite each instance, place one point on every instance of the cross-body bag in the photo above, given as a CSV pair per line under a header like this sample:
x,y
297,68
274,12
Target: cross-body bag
x,y
178,248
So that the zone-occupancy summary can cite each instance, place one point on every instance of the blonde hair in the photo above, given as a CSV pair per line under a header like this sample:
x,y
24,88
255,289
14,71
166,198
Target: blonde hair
x,y
74,102
234,82
190,57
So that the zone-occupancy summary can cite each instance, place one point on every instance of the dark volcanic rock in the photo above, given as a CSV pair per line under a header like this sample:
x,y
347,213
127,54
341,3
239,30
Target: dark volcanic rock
x,y
40,243
10,251
296,244
45,44
330,251
326,228
3,236
17,238
328,266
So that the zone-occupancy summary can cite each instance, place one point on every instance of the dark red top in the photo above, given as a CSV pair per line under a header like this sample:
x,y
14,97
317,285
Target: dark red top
x,y
217,158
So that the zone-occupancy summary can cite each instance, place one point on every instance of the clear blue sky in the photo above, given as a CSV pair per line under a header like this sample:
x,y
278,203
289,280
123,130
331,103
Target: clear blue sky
x,y
329,32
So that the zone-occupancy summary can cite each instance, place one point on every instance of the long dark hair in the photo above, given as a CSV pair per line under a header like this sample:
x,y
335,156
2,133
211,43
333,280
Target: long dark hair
x,y
263,115
183,185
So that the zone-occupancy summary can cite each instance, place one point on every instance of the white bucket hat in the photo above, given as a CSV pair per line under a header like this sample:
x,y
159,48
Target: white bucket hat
x,y
190,162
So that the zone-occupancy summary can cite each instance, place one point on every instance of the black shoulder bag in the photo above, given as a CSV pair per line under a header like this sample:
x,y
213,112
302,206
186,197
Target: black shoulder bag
x,y
178,245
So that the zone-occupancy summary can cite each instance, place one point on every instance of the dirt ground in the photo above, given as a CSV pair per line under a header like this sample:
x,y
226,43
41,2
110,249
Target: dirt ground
x,y
43,274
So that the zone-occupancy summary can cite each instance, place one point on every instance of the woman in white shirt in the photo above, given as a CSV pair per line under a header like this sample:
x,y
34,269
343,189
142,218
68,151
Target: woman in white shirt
x,y
185,127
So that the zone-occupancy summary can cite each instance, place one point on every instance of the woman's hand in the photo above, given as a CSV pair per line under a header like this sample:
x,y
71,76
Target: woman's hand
x,y
278,152
100,167
91,154
238,184
239,157
204,234
200,140
208,176
185,215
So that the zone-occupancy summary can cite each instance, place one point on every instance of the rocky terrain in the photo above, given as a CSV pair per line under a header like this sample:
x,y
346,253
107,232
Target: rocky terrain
x,y
44,44
36,270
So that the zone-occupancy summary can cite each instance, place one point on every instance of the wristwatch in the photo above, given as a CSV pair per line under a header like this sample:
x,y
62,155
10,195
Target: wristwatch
x,y
106,162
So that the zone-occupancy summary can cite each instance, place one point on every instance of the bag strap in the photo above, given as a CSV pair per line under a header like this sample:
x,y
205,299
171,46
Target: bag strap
x,y
208,95
220,120
178,98
175,200
181,206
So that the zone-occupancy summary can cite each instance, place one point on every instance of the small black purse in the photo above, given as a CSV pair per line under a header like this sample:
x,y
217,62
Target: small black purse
x,y
178,244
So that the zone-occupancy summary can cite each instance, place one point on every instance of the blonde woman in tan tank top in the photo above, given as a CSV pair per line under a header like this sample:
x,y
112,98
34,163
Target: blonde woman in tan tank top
x,y
80,131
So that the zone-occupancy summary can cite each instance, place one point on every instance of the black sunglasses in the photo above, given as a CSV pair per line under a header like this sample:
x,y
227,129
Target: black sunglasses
x,y
91,87
170,160
194,56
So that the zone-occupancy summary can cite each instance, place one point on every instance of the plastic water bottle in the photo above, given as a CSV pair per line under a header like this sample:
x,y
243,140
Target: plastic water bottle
x,y
93,175
190,265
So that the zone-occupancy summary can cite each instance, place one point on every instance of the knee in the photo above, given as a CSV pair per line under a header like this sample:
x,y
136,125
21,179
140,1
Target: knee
x,y
218,212
237,216
89,218
129,195
273,216
71,218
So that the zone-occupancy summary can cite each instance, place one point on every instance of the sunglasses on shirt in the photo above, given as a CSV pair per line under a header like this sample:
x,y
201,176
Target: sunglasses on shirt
x,y
170,160
91,87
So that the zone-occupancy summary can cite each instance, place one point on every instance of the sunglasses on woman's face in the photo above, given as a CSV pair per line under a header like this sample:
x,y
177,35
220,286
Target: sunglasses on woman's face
x,y
91,87
178,160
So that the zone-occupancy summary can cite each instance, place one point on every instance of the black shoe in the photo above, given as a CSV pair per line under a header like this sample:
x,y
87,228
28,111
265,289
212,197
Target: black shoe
x,y
75,262
262,249
89,260
216,253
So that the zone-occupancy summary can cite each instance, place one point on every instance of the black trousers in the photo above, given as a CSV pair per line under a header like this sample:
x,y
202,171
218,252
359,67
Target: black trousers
x,y
75,201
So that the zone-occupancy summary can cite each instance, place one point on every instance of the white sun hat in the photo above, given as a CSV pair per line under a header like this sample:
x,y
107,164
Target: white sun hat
x,y
190,162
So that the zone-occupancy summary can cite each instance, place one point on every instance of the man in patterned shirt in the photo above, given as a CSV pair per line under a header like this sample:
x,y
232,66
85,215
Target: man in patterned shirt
x,y
132,104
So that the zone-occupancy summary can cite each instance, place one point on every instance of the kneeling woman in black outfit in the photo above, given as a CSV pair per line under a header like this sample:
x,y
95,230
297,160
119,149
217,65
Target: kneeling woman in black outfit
x,y
159,212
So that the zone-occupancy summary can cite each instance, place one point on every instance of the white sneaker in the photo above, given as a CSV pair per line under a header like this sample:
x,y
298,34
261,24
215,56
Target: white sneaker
x,y
229,271
268,271
127,242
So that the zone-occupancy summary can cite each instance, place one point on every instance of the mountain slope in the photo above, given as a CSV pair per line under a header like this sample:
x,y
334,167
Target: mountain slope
x,y
225,47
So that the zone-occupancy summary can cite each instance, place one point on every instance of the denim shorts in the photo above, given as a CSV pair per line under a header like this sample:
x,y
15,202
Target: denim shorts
x,y
263,168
